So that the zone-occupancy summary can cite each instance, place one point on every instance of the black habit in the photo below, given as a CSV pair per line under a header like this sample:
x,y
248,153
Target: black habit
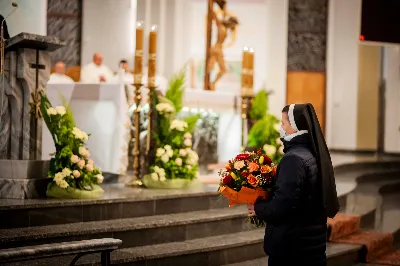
x,y
305,195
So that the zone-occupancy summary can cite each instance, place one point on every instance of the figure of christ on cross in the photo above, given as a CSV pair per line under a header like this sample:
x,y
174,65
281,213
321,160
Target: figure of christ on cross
x,y
215,53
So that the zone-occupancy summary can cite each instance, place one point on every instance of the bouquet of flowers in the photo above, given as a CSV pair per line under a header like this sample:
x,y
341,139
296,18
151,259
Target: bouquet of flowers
x,y
247,178
176,163
72,171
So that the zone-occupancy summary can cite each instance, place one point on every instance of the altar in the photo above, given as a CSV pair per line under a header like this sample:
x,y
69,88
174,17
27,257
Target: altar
x,y
102,111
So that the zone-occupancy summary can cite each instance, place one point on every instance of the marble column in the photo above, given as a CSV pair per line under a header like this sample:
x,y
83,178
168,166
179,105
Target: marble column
x,y
30,17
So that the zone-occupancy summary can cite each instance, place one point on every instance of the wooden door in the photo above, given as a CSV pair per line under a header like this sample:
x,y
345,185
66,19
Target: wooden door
x,y
307,87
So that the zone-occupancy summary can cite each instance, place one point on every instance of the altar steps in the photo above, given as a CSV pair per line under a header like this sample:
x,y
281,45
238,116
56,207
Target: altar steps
x,y
227,249
139,231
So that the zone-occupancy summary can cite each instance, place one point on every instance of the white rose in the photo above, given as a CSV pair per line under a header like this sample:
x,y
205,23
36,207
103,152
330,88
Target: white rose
x,y
178,161
51,111
89,167
90,162
162,178
74,159
66,172
182,152
100,178
187,135
85,136
160,152
179,125
170,153
63,184
238,165
81,163
165,158
277,126
189,167
58,177
280,150
61,110
76,173
279,141
83,151
187,142
167,147
269,149
154,176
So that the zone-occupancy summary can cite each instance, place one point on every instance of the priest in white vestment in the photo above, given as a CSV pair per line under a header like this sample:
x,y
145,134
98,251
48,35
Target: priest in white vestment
x,y
59,76
96,71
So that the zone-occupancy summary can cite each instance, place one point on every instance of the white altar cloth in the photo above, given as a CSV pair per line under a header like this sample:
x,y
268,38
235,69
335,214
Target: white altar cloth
x,y
102,111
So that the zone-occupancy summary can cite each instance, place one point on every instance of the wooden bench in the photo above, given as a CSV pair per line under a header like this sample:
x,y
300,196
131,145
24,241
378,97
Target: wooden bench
x,y
79,248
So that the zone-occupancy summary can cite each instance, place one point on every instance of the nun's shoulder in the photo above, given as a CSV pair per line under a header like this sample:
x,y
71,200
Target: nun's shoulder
x,y
302,153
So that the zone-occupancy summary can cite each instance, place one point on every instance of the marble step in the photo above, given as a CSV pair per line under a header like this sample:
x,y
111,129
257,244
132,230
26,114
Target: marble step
x,y
118,203
240,247
337,255
138,231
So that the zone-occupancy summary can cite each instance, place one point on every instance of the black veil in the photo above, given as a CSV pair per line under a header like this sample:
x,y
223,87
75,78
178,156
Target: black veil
x,y
305,118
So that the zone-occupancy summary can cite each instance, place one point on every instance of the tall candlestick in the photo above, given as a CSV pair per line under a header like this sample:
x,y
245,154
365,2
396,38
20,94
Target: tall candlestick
x,y
152,57
139,53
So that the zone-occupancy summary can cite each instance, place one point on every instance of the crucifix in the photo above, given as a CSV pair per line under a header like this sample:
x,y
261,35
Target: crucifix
x,y
214,53
36,127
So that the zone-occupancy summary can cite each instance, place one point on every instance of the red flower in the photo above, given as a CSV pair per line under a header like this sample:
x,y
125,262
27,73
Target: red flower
x,y
252,180
267,160
227,179
274,171
242,156
245,173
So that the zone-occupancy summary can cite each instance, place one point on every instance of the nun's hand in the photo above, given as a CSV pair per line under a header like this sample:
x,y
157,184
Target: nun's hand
x,y
250,209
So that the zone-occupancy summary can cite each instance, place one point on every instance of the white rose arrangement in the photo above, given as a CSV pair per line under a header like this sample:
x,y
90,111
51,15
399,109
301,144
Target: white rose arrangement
x,y
71,165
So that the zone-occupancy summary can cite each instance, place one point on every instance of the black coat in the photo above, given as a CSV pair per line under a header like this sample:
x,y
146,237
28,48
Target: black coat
x,y
295,217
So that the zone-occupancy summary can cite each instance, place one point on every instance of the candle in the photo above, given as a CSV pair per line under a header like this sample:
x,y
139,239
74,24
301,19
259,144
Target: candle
x,y
245,63
151,77
251,68
139,53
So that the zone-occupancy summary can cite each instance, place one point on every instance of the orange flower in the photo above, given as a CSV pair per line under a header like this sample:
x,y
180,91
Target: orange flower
x,y
252,180
274,171
265,169
252,167
228,167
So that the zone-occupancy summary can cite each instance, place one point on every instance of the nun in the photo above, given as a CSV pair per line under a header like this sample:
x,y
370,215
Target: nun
x,y
305,194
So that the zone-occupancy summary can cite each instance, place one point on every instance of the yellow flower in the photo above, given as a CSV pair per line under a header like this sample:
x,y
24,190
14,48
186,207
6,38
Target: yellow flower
x,y
261,160
234,176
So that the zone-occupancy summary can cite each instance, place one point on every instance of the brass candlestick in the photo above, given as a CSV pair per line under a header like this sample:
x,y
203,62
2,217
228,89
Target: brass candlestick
x,y
150,118
246,103
136,181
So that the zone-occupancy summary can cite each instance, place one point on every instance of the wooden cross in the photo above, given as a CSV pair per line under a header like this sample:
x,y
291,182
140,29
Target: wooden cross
x,y
36,94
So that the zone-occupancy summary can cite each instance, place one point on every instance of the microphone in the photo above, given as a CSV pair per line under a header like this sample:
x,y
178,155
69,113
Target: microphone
x,y
14,4
2,41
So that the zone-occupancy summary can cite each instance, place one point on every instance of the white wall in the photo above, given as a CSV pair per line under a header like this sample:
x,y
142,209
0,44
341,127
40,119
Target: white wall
x,y
392,118
276,52
342,73
31,16
108,27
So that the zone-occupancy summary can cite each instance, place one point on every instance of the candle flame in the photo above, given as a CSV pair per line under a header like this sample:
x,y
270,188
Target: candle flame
x,y
139,24
251,50
153,28
245,48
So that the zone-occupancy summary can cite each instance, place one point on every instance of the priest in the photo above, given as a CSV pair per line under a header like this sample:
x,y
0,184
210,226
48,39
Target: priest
x,y
96,71
59,76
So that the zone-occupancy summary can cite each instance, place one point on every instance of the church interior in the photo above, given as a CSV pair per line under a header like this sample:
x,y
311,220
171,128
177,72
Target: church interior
x,y
117,116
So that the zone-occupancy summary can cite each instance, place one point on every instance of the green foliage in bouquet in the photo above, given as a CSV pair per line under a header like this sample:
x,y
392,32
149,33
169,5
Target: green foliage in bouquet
x,y
175,159
265,131
71,170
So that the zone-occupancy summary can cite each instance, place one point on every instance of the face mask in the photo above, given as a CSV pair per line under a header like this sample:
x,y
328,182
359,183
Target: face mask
x,y
282,132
